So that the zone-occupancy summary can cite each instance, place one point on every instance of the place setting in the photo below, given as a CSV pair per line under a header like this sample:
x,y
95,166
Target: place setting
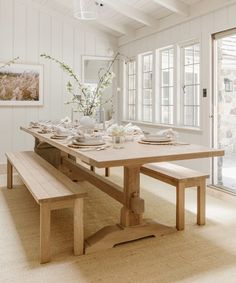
x,y
88,143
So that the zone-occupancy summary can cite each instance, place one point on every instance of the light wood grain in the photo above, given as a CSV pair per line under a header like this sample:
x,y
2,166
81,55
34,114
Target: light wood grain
x,y
131,189
180,206
100,182
50,183
131,157
9,174
45,231
201,203
78,227
51,190
110,236
132,153
181,178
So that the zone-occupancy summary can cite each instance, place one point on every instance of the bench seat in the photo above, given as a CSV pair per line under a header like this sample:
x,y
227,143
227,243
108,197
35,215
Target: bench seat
x,y
51,190
180,177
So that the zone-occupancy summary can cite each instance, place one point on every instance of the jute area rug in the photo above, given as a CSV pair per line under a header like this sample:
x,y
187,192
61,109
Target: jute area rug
x,y
198,254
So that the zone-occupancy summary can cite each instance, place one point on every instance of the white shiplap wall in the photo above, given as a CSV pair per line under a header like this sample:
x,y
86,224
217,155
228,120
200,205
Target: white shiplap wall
x,y
27,30
199,28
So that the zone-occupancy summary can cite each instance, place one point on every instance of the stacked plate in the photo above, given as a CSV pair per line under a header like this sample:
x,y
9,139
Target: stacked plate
x,y
59,136
155,139
87,142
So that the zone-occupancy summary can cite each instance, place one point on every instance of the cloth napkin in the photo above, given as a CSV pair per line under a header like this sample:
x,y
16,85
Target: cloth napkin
x,y
167,133
131,129
61,131
66,120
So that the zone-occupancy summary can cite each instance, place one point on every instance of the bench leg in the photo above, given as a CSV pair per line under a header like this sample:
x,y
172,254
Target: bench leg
x,y
45,227
180,206
201,203
107,171
92,168
78,227
9,175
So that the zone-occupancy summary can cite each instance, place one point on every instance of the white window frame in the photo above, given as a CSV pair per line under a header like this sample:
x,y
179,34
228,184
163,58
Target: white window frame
x,y
128,89
160,87
156,79
181,47
141,87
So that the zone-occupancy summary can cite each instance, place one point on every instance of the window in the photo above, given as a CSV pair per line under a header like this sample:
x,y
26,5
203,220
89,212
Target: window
x,y
191,85
163,86
131,69
147,87
167,86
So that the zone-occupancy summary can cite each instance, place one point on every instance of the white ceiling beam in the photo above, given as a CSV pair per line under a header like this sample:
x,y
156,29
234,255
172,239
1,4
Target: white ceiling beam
x,y
131,12
175,6
117,28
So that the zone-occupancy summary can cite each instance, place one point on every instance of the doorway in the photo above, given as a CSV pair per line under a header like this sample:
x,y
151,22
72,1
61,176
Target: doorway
x,y
224,103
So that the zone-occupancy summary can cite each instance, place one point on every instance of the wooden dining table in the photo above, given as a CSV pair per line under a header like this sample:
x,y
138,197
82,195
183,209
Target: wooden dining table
x,y
132,226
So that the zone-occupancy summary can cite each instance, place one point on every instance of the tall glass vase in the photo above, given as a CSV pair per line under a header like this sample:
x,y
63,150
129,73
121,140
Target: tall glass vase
x,y
88,123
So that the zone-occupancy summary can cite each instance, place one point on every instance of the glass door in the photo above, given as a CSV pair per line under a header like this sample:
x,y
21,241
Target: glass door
x,y
224,105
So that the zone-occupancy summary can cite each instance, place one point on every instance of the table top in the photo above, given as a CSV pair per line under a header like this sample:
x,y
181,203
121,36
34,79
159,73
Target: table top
x,y
133,153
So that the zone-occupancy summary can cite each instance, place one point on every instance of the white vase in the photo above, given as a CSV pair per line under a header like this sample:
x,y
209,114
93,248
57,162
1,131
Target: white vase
x,y
87,122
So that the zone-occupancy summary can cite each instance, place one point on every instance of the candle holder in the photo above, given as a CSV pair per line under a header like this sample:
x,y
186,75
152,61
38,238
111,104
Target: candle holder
x,y
118,141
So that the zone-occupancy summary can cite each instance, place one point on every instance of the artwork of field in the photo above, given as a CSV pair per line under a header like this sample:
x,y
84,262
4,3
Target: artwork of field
x,y
19,86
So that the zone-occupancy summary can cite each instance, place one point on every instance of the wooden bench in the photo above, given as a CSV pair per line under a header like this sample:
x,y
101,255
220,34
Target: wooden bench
x,y
181,178
52,190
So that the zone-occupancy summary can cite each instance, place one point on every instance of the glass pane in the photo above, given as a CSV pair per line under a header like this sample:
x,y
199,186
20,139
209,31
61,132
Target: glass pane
x,y
132,97
188,55
188,115
165,78
131,82
171,114
165,114
189,95
151,62
171,58
165,96
171,96
131,68
197,53
147,113
165,59
131,115
146,63
147,80
189,78
147,97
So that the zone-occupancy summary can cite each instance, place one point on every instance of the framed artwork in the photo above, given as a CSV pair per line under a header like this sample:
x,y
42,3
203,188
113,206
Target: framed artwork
x,y
21,85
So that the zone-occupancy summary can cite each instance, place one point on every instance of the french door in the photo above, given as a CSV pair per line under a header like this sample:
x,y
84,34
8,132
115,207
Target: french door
x,y
224,106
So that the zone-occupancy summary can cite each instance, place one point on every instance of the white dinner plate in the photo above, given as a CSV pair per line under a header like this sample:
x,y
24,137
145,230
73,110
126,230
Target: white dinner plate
x,y
89,143
156,139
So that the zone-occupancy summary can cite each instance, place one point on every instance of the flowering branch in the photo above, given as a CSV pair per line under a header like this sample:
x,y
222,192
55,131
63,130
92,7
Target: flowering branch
x,y
12,61
87,100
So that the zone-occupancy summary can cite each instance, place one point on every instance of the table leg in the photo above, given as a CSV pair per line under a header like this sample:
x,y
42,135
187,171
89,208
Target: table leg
x,y
129,216
132,226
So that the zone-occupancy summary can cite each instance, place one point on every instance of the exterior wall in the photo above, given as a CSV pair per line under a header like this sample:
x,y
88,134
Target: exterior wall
x,y
26,30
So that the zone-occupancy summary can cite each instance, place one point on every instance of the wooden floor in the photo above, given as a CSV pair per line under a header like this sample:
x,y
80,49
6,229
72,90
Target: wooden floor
x,y
198,254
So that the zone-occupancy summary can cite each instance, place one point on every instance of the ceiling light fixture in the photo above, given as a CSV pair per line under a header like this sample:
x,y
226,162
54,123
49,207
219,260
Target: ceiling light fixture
x,y
86,9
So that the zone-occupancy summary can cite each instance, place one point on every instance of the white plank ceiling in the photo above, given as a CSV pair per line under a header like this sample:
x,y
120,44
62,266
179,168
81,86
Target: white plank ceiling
x,y
122,17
